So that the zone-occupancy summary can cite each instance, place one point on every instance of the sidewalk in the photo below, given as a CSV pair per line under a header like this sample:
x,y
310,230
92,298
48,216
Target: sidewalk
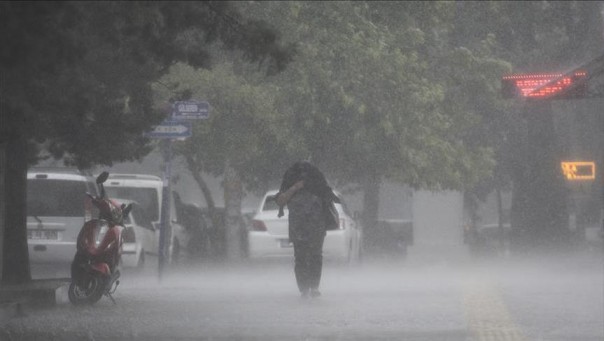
x,y
38,293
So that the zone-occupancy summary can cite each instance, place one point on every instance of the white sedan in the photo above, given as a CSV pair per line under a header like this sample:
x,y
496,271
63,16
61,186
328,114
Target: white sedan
x,y
268,235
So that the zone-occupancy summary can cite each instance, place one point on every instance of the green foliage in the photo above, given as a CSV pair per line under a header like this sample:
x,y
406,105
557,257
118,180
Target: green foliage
x,y
530,36
76,76
363,97
409,90
243,128
533,35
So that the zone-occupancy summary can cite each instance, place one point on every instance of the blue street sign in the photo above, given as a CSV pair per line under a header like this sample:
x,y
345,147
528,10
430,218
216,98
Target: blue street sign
x,y
171,129
190,110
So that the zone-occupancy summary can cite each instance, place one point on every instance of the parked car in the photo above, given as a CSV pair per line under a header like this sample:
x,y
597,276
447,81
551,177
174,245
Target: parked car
x,y
147,191
57,207
268,235
139,236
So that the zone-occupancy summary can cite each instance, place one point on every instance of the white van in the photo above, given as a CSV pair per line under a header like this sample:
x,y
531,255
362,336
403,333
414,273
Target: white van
x,y
57,207
138,233
146,190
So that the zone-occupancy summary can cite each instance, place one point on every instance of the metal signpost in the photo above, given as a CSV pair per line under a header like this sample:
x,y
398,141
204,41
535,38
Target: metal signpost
x,y
177,127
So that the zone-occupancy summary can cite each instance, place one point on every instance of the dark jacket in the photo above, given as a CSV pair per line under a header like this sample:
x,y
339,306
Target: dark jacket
x,y
314,182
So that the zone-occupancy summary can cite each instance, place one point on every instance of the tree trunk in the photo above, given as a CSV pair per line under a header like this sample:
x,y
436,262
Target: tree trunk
x,y
500,221
371,198
195,168
211,242
371,202
2,192
233,195
15,257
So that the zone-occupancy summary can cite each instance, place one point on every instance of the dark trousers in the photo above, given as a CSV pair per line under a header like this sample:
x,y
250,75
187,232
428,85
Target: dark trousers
x,y
308,254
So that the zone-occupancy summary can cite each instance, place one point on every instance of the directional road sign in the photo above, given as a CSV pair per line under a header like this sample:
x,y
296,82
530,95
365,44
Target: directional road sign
x,y
171,129
190,110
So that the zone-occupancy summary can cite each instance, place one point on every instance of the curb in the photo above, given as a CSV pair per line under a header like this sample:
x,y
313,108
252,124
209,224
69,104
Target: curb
x,y
17,298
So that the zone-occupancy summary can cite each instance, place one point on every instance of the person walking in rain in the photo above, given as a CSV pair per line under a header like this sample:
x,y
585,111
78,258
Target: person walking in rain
x,y
307,195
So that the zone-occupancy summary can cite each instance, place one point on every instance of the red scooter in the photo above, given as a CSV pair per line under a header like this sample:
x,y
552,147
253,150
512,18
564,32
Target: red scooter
x,y
95,267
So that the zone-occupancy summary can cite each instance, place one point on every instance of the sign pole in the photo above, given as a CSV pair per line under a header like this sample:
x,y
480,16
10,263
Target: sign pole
x,y
176,126
165,230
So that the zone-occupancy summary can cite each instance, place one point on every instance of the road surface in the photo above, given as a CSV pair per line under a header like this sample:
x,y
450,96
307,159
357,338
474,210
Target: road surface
x,y
560,299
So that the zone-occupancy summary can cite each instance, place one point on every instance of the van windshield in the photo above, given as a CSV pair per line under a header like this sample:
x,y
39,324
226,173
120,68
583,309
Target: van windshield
x,y
55,198
146,197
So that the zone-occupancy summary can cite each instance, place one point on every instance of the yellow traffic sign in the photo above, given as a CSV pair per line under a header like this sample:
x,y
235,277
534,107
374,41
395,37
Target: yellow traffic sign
x,y
579,170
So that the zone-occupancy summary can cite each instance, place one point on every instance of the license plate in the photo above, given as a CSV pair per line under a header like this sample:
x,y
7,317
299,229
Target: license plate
x,y
285,243
42,234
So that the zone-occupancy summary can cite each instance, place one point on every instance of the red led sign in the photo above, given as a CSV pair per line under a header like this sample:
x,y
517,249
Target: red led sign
x,y
544,85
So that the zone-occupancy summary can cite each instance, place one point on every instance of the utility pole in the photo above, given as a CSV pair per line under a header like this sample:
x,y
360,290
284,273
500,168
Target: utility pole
x,y
165,231
176,126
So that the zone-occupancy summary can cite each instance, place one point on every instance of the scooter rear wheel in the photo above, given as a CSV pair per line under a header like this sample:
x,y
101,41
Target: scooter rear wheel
x,y
87,293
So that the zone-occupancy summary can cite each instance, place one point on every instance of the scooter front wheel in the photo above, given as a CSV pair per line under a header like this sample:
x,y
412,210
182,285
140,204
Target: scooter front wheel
x,y
88,292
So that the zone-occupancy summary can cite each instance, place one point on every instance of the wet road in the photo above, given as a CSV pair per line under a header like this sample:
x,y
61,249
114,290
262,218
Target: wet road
x,y
504,300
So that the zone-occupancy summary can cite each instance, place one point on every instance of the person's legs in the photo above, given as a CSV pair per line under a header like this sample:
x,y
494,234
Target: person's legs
x,y
301,270
315,259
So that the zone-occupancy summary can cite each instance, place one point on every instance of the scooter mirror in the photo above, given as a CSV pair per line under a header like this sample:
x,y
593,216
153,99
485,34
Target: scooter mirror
x,y
102,178
126,209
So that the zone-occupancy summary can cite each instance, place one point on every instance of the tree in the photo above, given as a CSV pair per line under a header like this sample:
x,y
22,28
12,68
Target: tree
x,y
362,100
242,140
76,83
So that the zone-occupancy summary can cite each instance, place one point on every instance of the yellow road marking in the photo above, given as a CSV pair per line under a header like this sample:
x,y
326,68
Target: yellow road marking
x,y
487,316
